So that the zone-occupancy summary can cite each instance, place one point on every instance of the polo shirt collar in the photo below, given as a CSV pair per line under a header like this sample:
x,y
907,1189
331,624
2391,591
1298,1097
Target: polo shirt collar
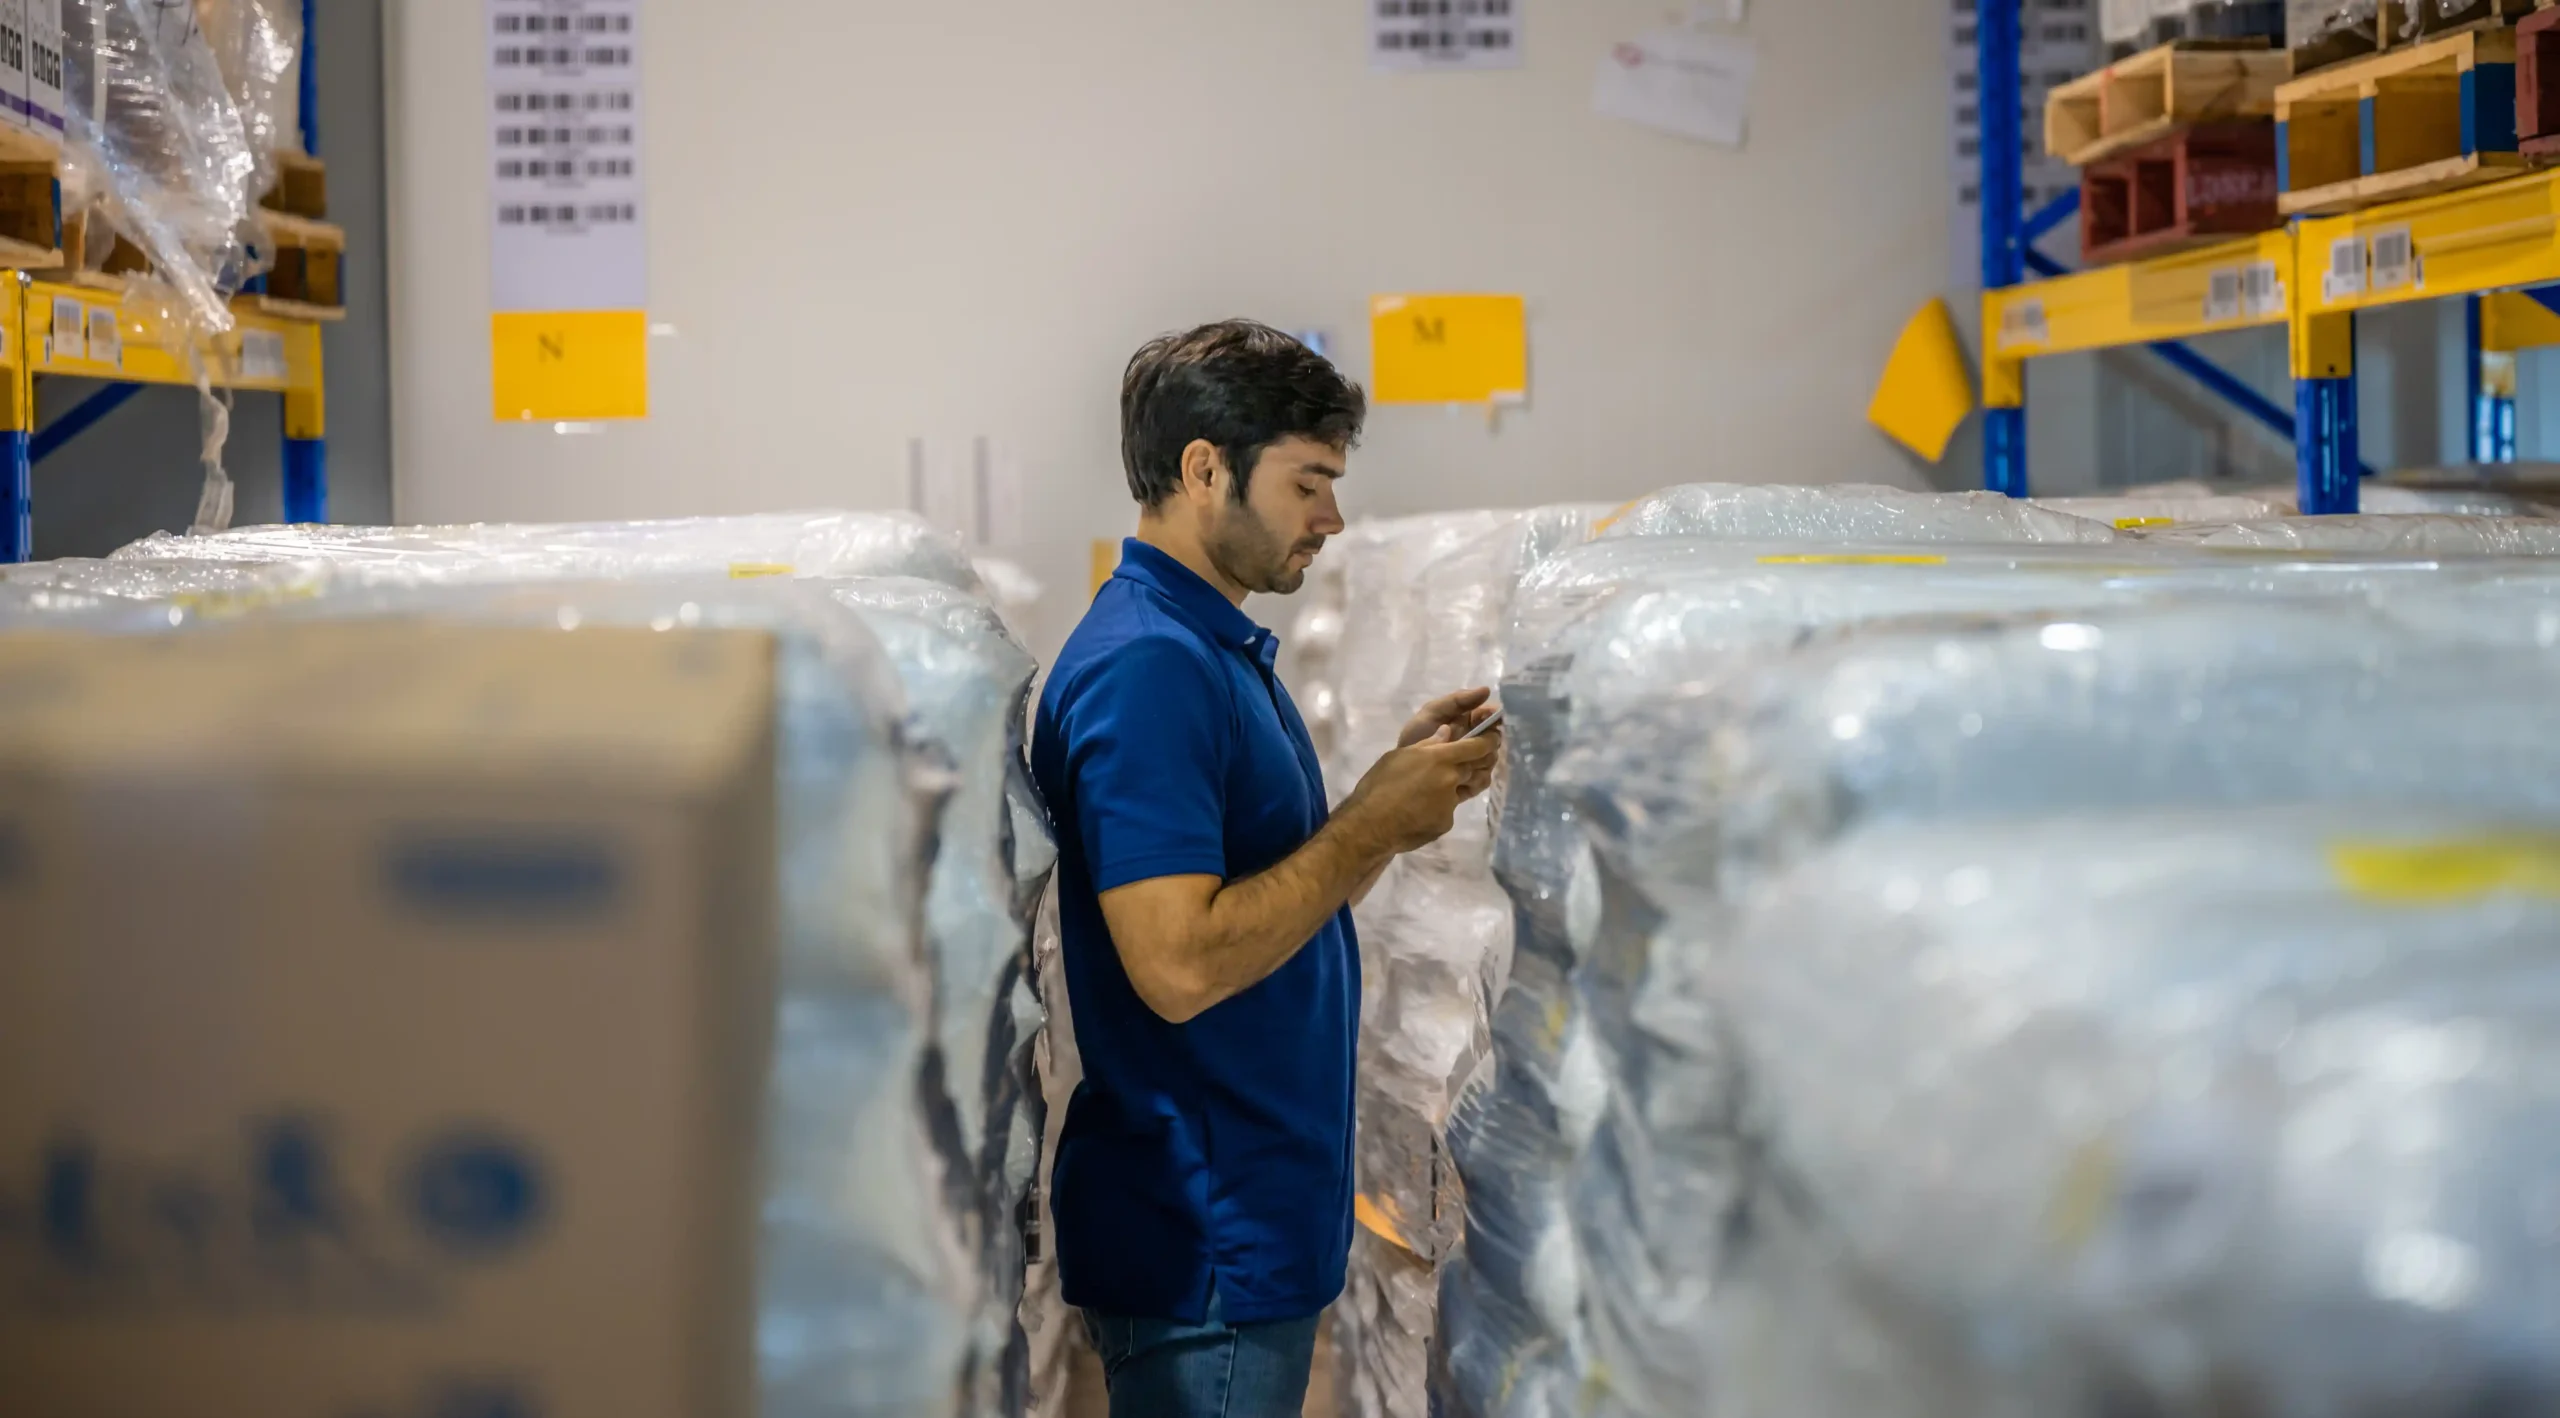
x,y
1195,600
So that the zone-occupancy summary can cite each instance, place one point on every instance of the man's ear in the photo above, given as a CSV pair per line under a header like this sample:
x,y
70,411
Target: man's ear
x,y
1201,465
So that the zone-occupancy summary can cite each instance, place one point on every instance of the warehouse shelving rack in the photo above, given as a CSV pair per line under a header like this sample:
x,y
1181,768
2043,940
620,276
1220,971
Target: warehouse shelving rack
x,y
2495,246
262,352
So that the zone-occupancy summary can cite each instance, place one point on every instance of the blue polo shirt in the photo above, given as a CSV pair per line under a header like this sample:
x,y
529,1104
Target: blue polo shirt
x,y
1214,1154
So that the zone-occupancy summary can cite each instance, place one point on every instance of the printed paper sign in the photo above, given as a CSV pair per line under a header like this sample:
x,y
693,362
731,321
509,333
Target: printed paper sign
x,y
1414,35
1450,349
1689,82
567,218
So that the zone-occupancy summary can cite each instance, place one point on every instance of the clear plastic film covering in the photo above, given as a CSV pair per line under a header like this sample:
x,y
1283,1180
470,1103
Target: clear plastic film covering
x,y
961,683
2030,1015
2416,534
154,122
1846,513
257,46
1632,617
768,545
1434,594
2136,512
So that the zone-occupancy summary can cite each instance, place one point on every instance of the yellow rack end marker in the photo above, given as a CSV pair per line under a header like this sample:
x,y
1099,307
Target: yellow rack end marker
x,y
1926,391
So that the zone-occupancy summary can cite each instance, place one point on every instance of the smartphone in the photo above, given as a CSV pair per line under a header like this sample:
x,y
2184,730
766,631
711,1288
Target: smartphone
x,y
1480,730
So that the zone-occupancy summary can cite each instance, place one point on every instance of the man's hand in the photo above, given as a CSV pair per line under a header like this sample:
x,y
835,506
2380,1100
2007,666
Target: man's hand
x,y
1457,713
1411,798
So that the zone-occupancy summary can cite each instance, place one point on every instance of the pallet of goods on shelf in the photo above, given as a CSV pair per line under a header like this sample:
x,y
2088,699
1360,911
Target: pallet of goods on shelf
x,y
2140,101
2194,188
2436,116
301,188
2132,26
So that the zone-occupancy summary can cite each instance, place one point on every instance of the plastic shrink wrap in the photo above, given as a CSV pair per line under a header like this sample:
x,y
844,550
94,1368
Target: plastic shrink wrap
x,y
965,687
1846,513
2142,510
2115,1012
1515,1340
1434,594
774,544
2405,534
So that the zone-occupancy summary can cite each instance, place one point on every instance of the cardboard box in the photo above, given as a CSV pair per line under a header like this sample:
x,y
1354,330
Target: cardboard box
x,y
13,61
384,1016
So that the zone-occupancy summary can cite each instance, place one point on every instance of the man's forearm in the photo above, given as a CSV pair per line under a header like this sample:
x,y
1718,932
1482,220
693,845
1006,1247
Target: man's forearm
x,y
1258,923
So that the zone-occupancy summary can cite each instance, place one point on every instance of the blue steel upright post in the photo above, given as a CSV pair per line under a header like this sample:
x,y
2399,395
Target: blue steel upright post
x,y
306,448
1998,92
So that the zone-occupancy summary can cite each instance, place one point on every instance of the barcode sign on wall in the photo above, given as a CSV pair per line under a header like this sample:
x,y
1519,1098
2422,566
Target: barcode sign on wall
x,y
2395,259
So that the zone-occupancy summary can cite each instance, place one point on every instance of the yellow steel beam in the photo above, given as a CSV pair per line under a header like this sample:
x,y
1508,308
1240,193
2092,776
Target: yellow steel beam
x,y
2500,237
17,378
95,334
2234,286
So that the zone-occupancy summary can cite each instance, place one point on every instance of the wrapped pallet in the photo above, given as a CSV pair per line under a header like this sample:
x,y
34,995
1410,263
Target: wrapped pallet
x,y
964,683
1514,1333
1434,596
2025,997
864,1288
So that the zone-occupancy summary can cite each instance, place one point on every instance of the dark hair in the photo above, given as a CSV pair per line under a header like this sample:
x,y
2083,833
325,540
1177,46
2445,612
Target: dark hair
x,y
1239,385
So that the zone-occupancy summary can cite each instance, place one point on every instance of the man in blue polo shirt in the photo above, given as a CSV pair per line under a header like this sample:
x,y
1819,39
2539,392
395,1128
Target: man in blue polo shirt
x,y
1203,1180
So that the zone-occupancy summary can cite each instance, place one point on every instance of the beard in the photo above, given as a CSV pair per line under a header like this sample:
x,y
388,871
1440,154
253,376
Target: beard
x,y
1247,552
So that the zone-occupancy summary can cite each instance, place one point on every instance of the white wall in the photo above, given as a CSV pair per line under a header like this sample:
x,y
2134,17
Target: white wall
x,y
876,221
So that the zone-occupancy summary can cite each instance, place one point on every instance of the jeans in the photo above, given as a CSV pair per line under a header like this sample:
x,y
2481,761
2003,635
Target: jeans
x,y
1161,1369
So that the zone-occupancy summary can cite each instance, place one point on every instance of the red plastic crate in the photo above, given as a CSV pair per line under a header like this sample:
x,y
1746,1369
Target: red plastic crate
x,y
2197,187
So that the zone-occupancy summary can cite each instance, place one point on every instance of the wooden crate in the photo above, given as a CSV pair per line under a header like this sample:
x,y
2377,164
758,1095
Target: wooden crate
x,y
2142,100
303,261
2434,117
302,187
30,215
2196,188
96,255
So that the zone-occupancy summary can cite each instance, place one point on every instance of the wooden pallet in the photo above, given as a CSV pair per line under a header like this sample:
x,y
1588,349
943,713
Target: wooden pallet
x,y
2434,117
96,255
303,259
2198,188
30,215
302,187
2138,102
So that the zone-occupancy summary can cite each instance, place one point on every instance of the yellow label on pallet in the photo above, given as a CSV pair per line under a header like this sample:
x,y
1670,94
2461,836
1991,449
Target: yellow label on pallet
x,y
1851,559
571,364
2136,524
757,570
2450,872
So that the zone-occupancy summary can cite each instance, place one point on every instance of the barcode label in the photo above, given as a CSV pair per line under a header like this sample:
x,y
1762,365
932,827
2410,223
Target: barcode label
x,y
2022,323
2262,295
2223,295
2345,276
262,355
2395,259
106,341
67,339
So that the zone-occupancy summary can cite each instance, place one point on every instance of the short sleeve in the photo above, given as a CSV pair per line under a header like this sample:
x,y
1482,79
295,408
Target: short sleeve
x,y
1147,741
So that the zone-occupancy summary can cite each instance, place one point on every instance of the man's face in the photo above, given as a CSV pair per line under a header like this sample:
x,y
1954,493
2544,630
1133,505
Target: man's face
x,y
1266,543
